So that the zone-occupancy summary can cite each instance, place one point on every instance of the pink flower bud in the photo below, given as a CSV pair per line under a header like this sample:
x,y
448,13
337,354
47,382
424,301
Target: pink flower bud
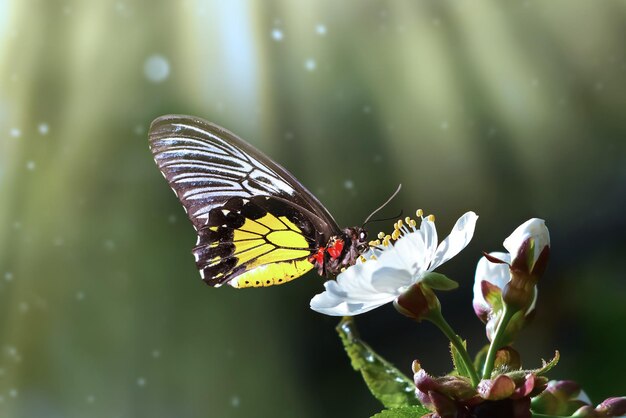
x,y
612,407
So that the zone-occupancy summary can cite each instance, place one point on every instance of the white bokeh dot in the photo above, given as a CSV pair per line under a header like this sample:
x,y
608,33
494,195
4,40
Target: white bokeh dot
x,y
43,128
320,29
277,35
156,68
310,64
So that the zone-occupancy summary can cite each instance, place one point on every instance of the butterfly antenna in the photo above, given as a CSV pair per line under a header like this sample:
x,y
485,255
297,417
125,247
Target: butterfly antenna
x,y
383,205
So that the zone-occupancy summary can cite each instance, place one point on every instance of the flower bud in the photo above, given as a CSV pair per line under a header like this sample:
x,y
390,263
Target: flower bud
x,y
612,407
529,246
561,398
417,302
454,396
508,357
493,274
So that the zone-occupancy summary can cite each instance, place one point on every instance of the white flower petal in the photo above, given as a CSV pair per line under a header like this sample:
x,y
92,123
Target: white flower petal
x,y
582,396
534,228
391,280
497,274
330,303
429,235
360,288
408,252
459,237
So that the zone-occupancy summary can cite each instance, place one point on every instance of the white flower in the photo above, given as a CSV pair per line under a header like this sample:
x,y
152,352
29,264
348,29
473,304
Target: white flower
x,y
391,269
533,231
492,277
495,275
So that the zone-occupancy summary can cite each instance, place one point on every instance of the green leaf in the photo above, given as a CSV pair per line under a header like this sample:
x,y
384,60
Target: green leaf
x,y
459,366
545,368
438,281
390,386
479,360
404,412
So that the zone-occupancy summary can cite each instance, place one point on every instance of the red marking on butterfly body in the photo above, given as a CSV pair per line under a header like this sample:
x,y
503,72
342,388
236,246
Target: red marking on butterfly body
x,y
318,256
336,249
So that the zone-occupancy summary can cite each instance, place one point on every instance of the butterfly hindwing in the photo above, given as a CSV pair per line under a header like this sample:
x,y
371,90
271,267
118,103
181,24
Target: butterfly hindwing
x,y
255,242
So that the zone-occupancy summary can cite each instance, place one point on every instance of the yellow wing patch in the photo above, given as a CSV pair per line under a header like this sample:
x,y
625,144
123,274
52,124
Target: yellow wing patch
x,y
273,251
271,222
254,243
241,235
254,226
290,224
272,274
288,239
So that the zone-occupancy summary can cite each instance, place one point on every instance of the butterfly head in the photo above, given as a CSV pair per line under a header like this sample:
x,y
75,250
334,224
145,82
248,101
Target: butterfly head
x,y
362,243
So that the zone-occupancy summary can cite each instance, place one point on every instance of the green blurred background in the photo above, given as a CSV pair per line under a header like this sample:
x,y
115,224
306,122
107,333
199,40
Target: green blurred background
x,y
511,109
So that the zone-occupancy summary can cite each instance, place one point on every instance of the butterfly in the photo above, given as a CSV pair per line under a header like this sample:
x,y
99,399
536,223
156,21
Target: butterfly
x,y
257,225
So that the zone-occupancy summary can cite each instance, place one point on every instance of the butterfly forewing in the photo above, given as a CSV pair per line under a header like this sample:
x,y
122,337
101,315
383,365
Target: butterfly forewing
x,y
206,166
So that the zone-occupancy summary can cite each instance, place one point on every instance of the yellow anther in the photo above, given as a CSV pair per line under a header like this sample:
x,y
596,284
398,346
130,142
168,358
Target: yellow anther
x,y
407,220
395,235
386,240
419,213
381,235
363,259
431,218
412,223
400,223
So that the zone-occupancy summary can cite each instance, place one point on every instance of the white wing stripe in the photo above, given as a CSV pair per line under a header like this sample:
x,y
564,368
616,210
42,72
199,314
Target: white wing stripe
x,y
206,166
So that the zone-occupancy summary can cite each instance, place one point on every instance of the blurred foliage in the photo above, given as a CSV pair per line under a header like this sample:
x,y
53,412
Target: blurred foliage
x,y
390,386
511,109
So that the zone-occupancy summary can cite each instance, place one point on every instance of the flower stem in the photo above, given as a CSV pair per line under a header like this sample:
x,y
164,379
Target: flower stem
x,y
437,318
496,344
